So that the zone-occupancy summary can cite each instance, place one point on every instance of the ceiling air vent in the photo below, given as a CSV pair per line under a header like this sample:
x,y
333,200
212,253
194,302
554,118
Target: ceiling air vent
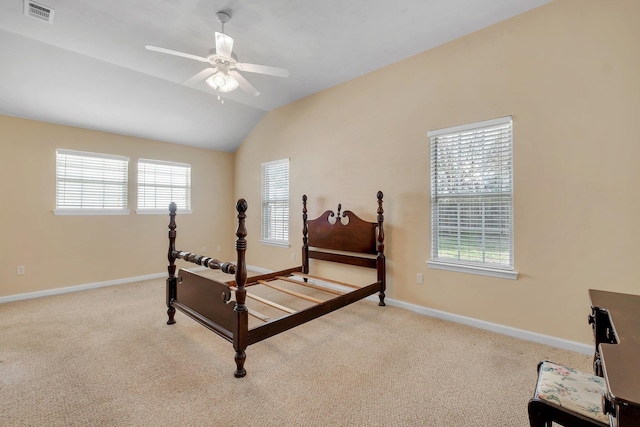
x,y
38,11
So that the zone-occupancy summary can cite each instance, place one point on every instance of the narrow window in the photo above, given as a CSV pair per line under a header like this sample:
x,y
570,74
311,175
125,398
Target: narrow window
x,y
472,198
275,202
160,183
91,183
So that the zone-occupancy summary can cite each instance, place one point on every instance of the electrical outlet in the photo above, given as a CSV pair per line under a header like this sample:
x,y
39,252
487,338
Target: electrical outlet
x,y
419,278
293,257
20,269
218,248
204,250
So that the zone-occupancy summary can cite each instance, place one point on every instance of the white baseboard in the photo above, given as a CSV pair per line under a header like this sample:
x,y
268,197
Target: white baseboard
x,y
258,269
494,327
68,289
481,324
77,288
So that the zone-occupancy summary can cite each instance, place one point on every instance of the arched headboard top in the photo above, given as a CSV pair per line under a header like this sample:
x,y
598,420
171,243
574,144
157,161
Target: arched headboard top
x,y
343,232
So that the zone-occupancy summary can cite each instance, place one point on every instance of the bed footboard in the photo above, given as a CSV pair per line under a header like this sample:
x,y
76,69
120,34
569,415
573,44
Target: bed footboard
x,y
206,300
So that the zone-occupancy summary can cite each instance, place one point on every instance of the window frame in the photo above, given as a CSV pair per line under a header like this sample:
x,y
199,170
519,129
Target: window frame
x,y
502,270
162,210
124,185
265,230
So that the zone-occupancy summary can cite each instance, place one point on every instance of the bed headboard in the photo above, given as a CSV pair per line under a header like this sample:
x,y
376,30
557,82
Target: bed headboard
x,y
344,232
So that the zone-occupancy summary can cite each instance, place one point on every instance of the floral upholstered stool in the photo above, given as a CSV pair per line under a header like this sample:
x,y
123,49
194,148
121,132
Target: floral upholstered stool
x,y
567,397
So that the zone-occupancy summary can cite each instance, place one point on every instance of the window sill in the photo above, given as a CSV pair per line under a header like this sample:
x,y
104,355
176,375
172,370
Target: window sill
x,y
275,243
91,212
161,211
483,271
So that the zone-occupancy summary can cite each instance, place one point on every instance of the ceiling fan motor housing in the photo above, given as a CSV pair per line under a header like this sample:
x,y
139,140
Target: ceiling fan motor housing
x,y
213,55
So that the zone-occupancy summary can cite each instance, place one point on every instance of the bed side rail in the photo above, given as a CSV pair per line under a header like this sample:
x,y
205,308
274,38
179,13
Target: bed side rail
x,y
285,323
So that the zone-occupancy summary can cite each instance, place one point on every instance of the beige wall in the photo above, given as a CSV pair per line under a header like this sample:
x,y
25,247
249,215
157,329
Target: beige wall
x,y
61,251
568,73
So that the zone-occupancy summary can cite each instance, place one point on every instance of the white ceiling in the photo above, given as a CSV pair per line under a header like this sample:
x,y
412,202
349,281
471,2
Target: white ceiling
x,y
90,68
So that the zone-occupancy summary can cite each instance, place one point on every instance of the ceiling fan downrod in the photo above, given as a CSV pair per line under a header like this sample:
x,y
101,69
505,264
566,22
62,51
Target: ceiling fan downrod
x,y
223,17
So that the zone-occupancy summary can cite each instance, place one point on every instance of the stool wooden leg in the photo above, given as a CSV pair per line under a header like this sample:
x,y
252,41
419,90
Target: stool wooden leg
x,y
537,416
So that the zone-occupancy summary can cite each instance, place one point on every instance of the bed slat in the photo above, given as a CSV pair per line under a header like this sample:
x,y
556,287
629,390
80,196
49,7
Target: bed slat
x,y
270,303
322,279
310,285
287,291
258,315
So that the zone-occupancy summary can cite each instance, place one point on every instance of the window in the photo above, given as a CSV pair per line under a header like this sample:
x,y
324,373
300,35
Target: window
x,y
472,198
90,183
275,202
160,183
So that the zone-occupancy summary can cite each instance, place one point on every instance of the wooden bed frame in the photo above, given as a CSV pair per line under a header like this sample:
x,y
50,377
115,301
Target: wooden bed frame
x,y
209,302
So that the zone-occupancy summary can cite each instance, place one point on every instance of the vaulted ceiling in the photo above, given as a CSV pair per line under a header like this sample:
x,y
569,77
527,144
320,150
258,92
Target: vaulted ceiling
x,y
89,67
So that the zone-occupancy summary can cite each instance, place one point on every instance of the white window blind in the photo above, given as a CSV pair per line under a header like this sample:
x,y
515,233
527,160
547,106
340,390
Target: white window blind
x,y
90,183
275,202
160,183
472,195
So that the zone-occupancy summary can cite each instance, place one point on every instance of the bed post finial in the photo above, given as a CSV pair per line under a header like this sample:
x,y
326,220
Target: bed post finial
x,y
241,313
171,279
380,260
305,239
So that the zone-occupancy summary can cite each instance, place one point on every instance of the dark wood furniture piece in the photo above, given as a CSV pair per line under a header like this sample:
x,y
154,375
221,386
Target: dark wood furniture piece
x,y
615,319
210,302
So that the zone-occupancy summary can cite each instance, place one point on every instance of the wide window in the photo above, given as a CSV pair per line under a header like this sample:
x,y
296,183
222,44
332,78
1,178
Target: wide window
x,y
472,198
160,183
275,202
90,183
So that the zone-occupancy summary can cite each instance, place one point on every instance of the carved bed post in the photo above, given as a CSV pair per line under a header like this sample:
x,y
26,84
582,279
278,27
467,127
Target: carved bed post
x,y
240,311
380,258
305,240
171,279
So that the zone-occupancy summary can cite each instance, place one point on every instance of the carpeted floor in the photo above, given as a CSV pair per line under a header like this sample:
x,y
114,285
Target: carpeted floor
x,y
106,357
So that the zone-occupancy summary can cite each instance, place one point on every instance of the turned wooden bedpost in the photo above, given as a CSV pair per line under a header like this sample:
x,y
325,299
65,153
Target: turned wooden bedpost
x,y
171,279
305,239
380,258
240,311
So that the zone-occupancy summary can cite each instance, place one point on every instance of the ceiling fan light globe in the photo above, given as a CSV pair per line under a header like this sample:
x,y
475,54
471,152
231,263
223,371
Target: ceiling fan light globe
x,y
232,84
222,82
218,79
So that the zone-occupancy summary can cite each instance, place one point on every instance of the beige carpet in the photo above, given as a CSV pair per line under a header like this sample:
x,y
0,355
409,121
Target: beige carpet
x,y
106,357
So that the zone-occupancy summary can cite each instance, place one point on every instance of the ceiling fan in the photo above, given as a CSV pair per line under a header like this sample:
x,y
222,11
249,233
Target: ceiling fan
x,y
223,75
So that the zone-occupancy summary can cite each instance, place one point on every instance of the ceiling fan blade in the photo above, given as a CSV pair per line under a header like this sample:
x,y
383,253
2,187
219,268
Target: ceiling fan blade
x,y
244,84
263,69
224,45
176,53
207,72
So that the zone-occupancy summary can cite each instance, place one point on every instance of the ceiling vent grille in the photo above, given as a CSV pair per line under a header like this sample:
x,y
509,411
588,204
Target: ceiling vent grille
x,y
38,11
